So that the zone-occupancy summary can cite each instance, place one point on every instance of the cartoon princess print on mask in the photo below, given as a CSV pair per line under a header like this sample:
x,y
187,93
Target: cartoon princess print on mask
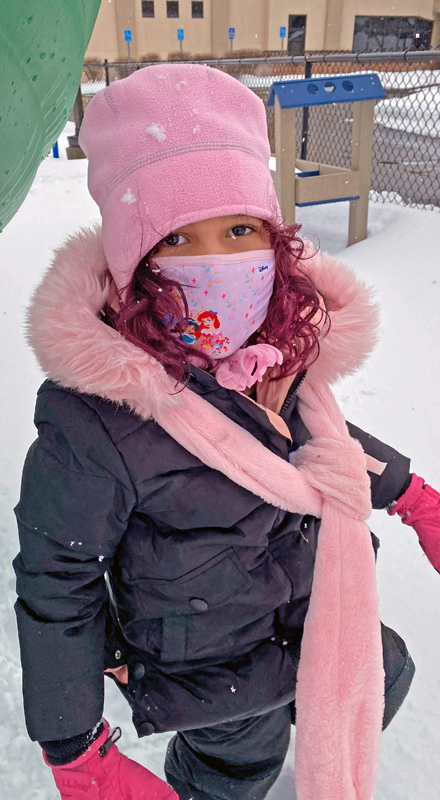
x,y
190,334
207,339
208,321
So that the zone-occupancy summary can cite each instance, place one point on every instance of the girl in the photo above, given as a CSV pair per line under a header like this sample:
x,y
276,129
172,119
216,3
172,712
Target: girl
x,y
179,501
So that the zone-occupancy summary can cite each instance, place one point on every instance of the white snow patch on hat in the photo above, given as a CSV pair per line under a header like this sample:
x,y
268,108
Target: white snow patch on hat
x,y
128,197
157,130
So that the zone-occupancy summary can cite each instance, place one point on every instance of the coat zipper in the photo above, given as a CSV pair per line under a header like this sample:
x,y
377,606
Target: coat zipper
x,y
293,389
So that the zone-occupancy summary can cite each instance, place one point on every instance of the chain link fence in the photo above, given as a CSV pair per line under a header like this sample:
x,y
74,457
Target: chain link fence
x,y
406,144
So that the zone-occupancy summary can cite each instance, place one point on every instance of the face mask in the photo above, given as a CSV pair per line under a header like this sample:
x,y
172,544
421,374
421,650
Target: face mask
x,y
228,296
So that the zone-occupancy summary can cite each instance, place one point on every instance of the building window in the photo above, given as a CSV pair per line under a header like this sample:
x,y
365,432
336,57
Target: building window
x,y
296,35
391,34
148,8
172,9
197,10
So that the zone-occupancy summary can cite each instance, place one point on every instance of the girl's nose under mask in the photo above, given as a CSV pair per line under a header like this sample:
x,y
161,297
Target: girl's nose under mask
x,y
228,296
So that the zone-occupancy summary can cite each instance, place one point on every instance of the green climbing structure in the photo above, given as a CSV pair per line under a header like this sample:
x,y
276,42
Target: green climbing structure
x,y
42,46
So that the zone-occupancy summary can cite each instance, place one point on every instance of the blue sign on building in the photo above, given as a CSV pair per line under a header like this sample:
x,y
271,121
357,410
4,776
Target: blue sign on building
x,y
127,35
180,34
282,32
232,33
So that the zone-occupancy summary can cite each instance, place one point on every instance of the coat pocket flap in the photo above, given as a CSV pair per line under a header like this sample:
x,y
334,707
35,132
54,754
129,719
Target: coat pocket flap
x,y
212,584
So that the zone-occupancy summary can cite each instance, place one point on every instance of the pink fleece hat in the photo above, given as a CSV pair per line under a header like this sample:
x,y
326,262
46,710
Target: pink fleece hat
x,y
170,145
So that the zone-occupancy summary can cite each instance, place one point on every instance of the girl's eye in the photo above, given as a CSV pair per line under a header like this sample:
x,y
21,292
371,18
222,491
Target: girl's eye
x,y
173,239
239,230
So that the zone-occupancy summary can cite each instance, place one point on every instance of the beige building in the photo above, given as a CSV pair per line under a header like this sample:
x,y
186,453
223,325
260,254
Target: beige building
x,y
311,25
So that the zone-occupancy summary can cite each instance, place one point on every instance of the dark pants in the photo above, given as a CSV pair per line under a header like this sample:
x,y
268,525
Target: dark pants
x,y
241,759
237,760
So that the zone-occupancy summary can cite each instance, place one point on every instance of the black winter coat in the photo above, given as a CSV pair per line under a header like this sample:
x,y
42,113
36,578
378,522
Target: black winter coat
x,y
134,551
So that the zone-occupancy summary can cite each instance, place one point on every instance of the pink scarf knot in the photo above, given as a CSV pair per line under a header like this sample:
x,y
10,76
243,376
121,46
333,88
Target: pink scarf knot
x,y
247,366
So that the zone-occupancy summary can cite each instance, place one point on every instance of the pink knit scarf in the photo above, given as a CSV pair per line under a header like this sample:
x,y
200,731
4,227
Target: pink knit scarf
x,y
340,679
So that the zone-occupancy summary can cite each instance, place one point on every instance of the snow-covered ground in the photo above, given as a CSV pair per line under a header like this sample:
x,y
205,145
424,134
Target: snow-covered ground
x,y
418,112
395,397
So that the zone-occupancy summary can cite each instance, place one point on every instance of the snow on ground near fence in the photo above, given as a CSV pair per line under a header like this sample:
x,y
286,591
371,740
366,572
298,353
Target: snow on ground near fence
x,y
418,112
394,397
89,88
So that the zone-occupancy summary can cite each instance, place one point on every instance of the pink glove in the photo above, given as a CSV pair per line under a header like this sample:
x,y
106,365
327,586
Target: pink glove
x,y
419,507
103,773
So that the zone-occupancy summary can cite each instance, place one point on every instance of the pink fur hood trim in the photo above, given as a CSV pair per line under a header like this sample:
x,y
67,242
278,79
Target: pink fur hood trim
x,y
340,679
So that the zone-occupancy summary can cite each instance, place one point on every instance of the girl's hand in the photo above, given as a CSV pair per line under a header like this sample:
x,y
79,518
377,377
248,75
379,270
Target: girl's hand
x,y
419,507
103,773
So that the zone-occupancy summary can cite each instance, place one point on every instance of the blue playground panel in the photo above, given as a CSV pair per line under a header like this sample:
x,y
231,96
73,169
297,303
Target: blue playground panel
x,y
324,202
325,91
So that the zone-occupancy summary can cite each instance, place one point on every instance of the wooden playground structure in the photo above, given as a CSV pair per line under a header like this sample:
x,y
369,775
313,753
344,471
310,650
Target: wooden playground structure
x,y
300,182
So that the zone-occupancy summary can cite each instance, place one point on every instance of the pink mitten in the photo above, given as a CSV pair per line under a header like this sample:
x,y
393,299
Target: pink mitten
x,y
419,507
103,773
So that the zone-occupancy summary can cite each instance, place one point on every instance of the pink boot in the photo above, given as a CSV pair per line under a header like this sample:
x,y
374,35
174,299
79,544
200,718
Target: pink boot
x,y
103,773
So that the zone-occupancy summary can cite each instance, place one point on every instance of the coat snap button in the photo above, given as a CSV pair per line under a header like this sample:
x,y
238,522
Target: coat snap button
x,y
197,604
138,671
118,655
146,729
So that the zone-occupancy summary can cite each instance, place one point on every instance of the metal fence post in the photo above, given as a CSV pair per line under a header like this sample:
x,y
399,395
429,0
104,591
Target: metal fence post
x,y
78,111
74,150
107,73
305,119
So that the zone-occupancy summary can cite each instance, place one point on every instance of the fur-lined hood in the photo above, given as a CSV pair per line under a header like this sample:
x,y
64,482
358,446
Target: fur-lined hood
x,y
76,349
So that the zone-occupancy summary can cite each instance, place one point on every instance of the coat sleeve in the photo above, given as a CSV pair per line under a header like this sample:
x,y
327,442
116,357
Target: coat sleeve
x,y
388,469
76,498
